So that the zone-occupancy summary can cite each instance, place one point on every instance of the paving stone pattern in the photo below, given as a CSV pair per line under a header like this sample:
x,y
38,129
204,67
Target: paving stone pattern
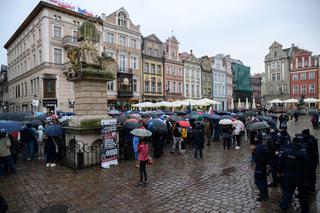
x,y
220,182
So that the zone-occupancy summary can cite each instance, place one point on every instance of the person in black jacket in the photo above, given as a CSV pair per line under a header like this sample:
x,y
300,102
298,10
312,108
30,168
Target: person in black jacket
x,y
272,145
50,148
198,140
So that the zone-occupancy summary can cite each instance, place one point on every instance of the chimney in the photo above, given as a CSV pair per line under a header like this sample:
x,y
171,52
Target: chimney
x,y
103,16
292,45
190,51
139,28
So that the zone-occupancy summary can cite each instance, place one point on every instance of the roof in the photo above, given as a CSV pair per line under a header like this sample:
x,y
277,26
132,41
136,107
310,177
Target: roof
x,y
153,38
41,5
275,43
173,39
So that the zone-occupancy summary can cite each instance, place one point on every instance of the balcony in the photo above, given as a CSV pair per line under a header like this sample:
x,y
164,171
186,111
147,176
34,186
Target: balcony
x,y
125,93
69,41
125,86
125,70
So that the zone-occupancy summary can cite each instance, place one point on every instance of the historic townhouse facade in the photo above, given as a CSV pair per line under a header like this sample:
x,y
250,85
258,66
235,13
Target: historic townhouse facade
x,y
219,75
227,61
122,41
277,64
304,75
173,70
37,55
152,83
192,76
256,88
206,76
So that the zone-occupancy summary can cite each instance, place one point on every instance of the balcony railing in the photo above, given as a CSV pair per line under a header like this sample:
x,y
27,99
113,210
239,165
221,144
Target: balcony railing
x,y
69,41
125,93
125,70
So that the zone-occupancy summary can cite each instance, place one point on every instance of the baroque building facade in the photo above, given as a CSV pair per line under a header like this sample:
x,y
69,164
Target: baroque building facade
x,y
206,76
152,72
173,74
192,76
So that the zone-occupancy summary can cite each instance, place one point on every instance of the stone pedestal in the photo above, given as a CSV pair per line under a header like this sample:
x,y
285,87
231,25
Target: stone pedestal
x,y
91,97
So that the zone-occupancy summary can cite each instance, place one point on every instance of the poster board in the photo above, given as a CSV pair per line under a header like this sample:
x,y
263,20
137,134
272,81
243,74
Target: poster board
x,y
109,154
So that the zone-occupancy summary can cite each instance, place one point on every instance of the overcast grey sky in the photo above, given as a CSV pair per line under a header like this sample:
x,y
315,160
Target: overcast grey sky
x,y
242,28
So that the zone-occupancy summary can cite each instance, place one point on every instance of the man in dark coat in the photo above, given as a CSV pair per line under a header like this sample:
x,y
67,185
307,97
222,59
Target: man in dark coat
x,y
272,142
198,140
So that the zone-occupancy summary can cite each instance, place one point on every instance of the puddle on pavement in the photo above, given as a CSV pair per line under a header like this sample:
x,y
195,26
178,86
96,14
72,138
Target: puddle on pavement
x,y
228,171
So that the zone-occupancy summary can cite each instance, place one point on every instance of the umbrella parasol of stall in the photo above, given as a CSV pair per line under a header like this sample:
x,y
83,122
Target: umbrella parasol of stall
x,y
259,125
184,123
209,101
311,100
15,116
247,103
141,132
225,122
54,130
254,103
132,124
10,126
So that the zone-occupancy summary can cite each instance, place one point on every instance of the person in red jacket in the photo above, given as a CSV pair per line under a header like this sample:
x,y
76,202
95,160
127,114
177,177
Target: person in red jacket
x,y
143,155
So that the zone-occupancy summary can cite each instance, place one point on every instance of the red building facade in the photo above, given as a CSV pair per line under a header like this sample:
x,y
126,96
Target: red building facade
x,y
304,75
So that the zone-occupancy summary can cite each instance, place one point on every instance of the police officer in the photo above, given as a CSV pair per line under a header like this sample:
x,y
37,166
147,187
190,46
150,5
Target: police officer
x,y
260,157
311,145
272,145
293,162
283,137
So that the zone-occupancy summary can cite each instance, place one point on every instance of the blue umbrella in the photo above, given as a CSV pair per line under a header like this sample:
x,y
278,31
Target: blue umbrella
x,y
10,126
54,130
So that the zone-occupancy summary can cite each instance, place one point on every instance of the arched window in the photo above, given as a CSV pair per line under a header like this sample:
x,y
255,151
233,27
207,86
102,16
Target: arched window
x,y
122,19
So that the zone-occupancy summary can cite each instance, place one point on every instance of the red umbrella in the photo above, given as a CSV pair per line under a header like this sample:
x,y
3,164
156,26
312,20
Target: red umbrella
x,y
184,123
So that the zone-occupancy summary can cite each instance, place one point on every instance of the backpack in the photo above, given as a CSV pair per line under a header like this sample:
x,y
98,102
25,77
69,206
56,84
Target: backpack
x,y
184,133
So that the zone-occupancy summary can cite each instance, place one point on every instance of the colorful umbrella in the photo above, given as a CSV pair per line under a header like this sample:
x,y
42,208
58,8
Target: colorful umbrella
x,y
135,115
184,123
225,122
132,124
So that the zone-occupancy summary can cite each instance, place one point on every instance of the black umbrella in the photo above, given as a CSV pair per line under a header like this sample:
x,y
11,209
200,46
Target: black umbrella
x,y
158,125
313,112
175,118
249,113
259,125
181,113
34,122
121,119
169,113
267,119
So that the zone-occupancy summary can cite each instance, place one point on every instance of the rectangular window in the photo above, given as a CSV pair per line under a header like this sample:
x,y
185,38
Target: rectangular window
x,y
122,63
110,38
122,40
146,86
295,77
278,76
153,86
149,51
198,90
303,76
168,86
159,87
31,86
40,56
311,88
158,69
38,84
303,89
187,90
156,52
133,62
192,91
179,87
273,65
153,68
146,67
57,56
56,32
25,89
134,84
133,43
311,75
49,88
110,85
39,33
174,87
273,76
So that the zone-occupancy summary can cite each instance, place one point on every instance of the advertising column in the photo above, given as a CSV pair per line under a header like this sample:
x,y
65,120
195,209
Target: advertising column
x,y
109,156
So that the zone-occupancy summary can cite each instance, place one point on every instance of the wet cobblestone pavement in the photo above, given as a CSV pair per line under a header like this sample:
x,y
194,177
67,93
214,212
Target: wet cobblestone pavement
x,y
221,182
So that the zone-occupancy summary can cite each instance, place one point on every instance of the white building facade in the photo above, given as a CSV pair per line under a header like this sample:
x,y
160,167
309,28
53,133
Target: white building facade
x,y
219,75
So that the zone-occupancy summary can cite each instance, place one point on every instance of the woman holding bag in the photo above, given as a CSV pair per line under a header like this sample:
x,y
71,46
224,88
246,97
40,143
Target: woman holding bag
x,y
143,156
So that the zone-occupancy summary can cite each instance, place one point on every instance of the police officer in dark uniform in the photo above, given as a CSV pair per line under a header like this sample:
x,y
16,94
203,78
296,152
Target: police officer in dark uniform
x,y
311,145
273,148
293,162
260,158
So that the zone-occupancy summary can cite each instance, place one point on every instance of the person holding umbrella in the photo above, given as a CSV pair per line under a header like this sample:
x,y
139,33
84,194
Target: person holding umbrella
x,y
5,154
50,148
176,138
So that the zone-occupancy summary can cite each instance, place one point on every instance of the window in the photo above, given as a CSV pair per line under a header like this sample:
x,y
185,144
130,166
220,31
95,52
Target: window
x,y
198,90
306,63
133,62
56,32
284,88
295,77
134,84
168,86
153,86
273,76
40,56
159,69
110,54
133,43
34,61
122,63
57,56
159,87
26,89
39,33
187,89
311,88
278,76
311,75
149,51
146,86
273,65
303,89
179,87
74,36
110,85
146,67
174,87
303,76
153,68
122,22
192,91
278,64
122,40
275,54
110,38
31,86
299,63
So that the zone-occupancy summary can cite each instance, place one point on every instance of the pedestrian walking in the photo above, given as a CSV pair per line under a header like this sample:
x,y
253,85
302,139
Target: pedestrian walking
x,y
40,142
272,145
226,133
6,162
260,158
28,138
143,155
157,145
176,138
184,137
51,149
198,140
217,131
293,162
